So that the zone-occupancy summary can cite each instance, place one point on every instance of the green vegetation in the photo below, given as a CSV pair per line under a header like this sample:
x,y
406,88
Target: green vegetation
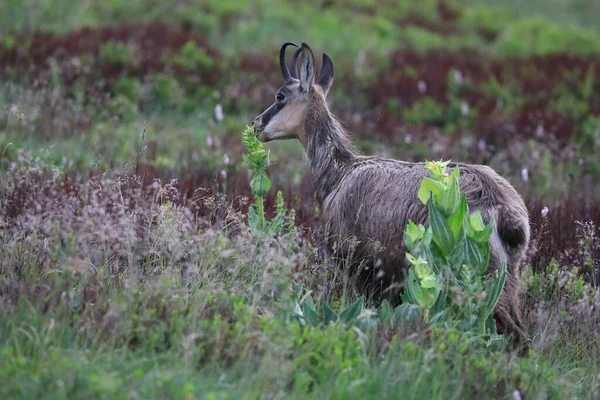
x,y
448,275
146,248
258,160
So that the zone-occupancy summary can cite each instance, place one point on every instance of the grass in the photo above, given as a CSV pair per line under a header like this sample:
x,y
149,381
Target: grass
x,y
128,267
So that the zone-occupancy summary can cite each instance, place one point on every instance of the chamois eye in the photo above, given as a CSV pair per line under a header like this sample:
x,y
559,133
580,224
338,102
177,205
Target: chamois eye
x,y
280,97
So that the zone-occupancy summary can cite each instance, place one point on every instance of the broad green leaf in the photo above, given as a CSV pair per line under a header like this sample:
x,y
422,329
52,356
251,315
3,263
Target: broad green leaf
x,y
493,290
298,313
421,269
449,200
456,220
473,256
308,300
429,282
485,248
328,314
413,233
352,311
367,320
416,293
423,272
442,234
254,220
385,311
297,288
276,224
476,222
310,314
483,236
438,317
427,237
406,313
455,175
427,187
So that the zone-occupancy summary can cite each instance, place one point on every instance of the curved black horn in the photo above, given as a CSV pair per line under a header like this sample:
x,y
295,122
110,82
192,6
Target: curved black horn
x,y
284,68
293,68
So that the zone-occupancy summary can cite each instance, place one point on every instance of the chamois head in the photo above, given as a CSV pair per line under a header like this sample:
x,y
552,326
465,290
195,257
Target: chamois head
x,y
285,118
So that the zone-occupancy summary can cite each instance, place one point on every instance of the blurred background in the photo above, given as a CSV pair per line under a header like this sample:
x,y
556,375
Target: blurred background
x,y
163,90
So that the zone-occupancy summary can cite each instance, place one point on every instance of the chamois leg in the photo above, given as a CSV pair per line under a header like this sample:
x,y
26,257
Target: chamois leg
x,y
508,311
377,285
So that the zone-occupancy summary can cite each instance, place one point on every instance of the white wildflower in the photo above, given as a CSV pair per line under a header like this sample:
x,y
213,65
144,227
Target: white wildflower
x,y
539,131
524,175
218,112
458,77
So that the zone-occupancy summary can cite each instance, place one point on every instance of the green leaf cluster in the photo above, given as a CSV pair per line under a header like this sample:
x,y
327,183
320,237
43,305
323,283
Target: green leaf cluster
x,y
257,160
448,278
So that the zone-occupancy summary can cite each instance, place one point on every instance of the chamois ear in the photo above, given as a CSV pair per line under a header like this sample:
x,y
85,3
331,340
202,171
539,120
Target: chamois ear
x,y
325,78
307,71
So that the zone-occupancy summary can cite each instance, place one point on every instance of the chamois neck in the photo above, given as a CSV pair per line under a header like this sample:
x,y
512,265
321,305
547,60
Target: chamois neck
x,y
330,152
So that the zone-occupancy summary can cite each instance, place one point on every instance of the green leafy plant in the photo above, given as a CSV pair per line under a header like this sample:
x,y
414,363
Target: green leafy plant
x,y
448,277
128,87
538,35
166,91
191,56
507,95
117,53
355,315
257,160
456,114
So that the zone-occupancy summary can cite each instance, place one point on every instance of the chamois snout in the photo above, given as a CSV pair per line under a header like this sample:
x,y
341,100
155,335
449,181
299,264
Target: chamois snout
x,y
257,123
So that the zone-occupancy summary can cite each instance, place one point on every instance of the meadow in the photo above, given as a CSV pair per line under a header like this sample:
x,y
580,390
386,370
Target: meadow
x,y
128,266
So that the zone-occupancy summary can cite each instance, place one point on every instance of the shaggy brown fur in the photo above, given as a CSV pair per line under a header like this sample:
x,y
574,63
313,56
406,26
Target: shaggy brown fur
x,y
367,201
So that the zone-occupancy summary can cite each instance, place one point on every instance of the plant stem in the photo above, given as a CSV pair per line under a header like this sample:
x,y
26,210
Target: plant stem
x,y
260,209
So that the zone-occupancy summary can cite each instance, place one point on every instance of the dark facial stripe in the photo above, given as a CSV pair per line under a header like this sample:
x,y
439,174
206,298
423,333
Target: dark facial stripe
x,y
270,113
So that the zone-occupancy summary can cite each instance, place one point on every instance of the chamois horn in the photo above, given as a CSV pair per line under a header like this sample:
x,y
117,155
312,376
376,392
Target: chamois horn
x,y
293,68
284,67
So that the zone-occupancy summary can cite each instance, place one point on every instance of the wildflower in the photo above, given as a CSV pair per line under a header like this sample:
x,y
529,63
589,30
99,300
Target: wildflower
x,y
422,86
481,146
218,112
458,77
225,159
544,211
223,174
539,131
525,175
464,109
209,141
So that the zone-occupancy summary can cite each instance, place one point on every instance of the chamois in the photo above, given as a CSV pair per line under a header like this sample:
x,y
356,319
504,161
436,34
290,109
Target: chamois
x,y
367,201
